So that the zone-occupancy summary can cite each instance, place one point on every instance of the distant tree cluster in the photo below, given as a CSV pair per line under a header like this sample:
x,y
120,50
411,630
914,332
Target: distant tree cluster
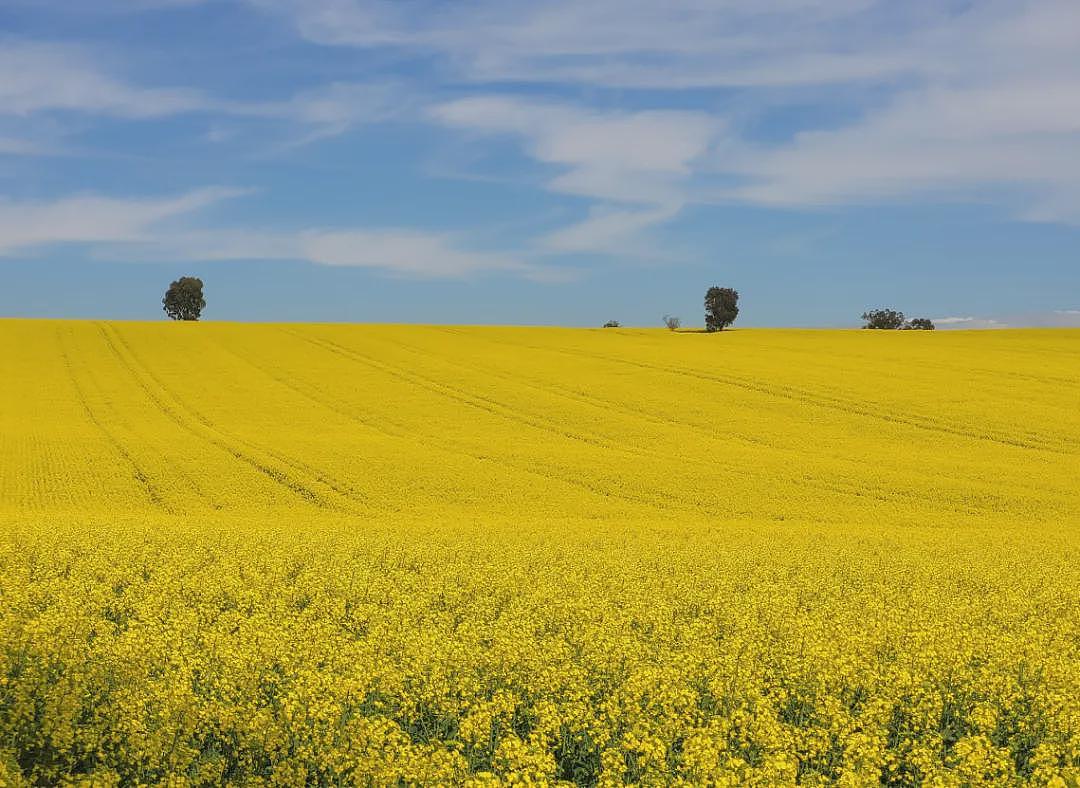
x,y
891,319
721,309
184,299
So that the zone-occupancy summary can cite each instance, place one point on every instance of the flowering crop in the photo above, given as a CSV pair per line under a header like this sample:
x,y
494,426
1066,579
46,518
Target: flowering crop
x,y
308,554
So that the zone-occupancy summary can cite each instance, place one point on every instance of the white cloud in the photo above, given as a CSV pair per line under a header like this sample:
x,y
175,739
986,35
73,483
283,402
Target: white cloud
x,y
951,141
640,159
618,156
341,104
968,322
618,43
93,218
333,109
405,252
1057,318
994,116
401,251
611,231
973,101
142,229
37,77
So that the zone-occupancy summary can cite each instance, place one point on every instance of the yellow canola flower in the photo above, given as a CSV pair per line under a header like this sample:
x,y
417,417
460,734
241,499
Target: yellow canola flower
x,y
376,555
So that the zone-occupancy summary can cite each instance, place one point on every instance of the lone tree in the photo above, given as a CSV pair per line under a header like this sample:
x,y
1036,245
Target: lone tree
x,y
883,318
721,308
672,322
611,324
920,324
184,299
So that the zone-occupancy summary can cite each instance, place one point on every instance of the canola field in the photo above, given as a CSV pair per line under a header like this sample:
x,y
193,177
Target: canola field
x,y
307,554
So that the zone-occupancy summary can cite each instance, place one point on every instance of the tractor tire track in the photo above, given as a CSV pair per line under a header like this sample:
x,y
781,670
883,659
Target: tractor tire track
x,y
1031,441
832,485
208,432
659,501
858,490
143,479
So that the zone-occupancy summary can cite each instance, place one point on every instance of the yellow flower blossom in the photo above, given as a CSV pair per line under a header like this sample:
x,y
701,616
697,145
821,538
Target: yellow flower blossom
x,y
385,555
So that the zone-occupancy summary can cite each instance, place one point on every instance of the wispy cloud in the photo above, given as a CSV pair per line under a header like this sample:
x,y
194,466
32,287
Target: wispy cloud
x,y
144,229
641,159
400,251
1056,318
628,157
977,101
992,115
956,143
94,218
41,77
968,322
333,109
612,231
36,77
620,43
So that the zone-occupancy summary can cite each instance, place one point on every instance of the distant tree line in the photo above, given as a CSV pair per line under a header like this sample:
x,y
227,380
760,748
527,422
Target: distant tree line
x,y
184,300
894,320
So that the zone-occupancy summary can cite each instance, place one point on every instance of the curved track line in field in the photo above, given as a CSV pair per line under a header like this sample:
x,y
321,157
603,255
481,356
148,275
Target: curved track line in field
x,y
858,354
539,421
471,399
791,393
827,484
591,400
830,484
139,474
491,405
316,475
295,385
209,433
330,403
658,501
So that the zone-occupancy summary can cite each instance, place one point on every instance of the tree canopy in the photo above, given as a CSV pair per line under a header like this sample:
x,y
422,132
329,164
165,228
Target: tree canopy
x,y
184,299
892,319
721,308
920,324
883,319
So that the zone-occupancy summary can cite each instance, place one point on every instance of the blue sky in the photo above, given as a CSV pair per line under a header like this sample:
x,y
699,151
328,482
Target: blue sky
x,y
551,162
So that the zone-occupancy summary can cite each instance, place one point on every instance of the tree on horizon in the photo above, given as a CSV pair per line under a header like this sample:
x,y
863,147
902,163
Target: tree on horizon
x,y
184,299
721,308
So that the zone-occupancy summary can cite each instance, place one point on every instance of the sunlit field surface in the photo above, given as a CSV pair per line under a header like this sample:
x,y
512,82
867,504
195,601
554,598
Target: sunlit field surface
x,y
318,554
